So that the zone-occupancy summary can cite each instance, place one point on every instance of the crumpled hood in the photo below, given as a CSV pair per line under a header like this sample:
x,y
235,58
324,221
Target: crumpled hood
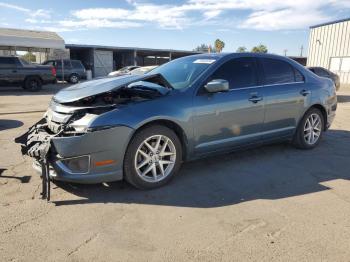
x,y
94,87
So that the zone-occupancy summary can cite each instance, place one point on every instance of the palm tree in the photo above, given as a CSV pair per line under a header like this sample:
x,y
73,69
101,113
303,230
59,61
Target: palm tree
x,y
219,45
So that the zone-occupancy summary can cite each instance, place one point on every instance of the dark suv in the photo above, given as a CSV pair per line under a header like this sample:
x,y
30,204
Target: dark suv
x,y
71,70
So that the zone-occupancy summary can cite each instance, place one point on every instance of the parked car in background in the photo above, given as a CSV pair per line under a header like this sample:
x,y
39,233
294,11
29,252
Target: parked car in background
x,y
123,71
15,71
142,127
142,70
323,72
71,70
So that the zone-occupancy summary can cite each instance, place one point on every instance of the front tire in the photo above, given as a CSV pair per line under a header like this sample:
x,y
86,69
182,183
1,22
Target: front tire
x,y
153,157
310,130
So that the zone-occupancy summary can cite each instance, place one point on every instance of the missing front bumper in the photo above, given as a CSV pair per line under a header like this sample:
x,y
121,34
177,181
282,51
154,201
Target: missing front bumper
x,y
97,146
36,141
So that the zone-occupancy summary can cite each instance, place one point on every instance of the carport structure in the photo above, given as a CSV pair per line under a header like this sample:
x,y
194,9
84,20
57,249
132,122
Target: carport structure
x,y
47,43
105,59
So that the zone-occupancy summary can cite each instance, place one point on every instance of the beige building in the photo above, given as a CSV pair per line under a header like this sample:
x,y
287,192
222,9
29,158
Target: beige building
x,y
329,47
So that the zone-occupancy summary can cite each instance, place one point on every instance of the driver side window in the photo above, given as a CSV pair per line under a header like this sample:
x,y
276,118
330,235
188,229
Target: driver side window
x,y
239,72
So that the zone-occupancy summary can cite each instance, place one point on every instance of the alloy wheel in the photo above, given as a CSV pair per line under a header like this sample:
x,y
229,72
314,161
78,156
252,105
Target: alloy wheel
x,y
312,129
33,84
155,158
74,79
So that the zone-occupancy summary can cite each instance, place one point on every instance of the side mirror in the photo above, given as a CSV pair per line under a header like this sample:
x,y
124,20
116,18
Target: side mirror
x,y
217,85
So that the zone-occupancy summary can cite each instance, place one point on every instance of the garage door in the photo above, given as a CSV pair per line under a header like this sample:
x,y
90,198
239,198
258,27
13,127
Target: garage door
x,y
103,62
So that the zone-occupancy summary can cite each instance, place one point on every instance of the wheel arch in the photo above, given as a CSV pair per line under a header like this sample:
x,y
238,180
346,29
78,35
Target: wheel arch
x,y
323,111
74,73
171,125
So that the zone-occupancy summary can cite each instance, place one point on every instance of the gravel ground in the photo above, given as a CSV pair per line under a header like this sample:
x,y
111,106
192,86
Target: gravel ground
x,y
274,203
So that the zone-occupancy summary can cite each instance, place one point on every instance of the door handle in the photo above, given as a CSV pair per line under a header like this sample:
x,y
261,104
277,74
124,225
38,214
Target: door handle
x,y
305,92
255,99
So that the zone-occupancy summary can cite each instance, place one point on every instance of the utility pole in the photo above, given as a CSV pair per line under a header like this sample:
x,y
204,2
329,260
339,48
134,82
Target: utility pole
x,y
301,51
285,52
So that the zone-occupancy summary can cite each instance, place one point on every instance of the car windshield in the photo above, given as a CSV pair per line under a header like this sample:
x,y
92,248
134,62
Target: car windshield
x,y
182,72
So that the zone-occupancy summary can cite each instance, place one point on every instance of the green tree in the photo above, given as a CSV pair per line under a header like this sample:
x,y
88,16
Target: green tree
x,y
259,49
219,45
241,49
29,57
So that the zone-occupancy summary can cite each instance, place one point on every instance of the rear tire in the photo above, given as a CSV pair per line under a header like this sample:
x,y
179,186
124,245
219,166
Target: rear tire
x,y
32,84
310,130
156,149
74,79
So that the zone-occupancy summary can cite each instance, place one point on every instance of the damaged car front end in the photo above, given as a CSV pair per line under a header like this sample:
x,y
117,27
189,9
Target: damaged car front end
x,y
71,144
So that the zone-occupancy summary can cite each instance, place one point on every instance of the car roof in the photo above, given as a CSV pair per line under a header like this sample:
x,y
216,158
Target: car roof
x,y
317,67
247,54
62,59
13,56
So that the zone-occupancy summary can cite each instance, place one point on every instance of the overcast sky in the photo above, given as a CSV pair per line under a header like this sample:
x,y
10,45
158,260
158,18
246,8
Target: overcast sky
x,y
279,24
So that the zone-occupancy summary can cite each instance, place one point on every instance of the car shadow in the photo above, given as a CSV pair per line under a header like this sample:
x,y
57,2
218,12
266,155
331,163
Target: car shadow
x,y
269,172
343,98
9,124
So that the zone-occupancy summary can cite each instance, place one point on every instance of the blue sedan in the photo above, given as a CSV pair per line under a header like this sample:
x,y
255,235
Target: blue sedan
x,y
141,128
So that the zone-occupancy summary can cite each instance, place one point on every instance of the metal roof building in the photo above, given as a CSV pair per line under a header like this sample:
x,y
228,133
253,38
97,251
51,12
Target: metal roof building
x,y
329,47
105,59
100,59
23,40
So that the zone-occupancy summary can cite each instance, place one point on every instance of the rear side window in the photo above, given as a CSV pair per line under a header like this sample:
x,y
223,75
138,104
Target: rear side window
x,y
298,76
67,64
77,64
277,71
6,62
239,72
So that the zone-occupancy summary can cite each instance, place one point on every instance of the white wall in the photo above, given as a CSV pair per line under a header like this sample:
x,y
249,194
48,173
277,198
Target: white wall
x,y
330,43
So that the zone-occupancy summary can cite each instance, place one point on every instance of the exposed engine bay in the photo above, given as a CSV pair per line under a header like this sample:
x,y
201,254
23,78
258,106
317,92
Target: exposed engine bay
x,y
145,89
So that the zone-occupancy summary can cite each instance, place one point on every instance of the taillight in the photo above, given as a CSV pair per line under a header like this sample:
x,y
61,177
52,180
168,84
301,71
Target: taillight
x,y
53,71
